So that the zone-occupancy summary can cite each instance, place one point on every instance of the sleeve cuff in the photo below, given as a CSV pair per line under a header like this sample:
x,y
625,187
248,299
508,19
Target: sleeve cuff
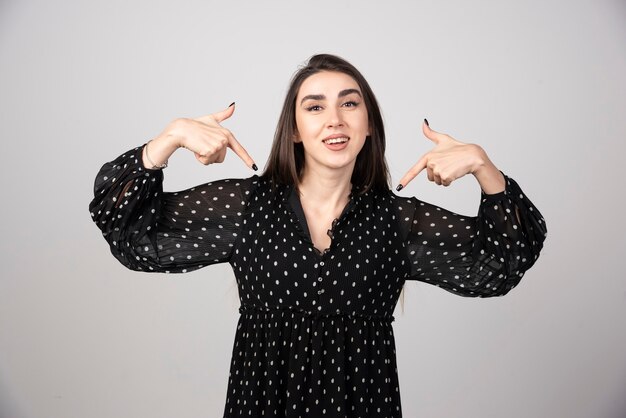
x,y
497,196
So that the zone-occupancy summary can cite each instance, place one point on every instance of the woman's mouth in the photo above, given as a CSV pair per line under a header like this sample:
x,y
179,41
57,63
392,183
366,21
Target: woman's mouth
x,y
338,140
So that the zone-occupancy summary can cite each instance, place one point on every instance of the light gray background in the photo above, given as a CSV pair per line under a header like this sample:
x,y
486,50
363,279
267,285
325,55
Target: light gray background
x,y
540,84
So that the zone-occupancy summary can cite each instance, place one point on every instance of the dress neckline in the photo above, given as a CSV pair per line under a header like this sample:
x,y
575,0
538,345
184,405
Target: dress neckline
x,y
292,199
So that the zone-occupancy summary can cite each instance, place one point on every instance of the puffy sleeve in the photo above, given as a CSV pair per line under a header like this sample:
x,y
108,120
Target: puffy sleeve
x,y
480,256
150,230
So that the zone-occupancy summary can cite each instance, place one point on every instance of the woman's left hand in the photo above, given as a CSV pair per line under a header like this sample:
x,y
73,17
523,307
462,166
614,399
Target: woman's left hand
x,y
451,159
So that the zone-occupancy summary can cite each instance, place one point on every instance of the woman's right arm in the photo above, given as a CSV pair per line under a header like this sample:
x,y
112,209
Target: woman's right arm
x,y
150,230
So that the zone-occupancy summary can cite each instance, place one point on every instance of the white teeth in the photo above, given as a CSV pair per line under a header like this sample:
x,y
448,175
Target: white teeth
x,y
336,140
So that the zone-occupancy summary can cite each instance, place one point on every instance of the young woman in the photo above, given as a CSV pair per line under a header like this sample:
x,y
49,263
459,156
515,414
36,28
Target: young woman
x,y
319,245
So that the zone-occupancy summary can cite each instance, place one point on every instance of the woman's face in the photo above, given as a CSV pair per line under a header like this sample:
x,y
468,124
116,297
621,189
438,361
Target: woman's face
x,y
331,121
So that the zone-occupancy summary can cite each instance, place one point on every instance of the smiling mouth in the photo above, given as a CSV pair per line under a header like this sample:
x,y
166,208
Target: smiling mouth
x,y
339,140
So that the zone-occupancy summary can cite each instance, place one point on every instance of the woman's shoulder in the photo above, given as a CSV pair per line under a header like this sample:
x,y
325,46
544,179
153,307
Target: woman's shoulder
x,y
263,191
388,197
386,201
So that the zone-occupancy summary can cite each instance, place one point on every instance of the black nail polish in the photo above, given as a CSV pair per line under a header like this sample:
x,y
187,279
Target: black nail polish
x,y
426,122
232,104
400,187
254,167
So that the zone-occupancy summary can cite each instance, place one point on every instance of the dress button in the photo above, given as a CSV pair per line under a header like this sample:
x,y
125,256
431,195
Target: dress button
x,y
319,292
322,263
319,279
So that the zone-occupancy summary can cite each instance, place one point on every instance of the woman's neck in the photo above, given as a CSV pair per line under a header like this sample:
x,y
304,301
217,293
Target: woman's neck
x,y
325,189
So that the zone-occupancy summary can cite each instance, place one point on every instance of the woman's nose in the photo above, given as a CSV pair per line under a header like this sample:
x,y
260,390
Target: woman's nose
x,y
334,118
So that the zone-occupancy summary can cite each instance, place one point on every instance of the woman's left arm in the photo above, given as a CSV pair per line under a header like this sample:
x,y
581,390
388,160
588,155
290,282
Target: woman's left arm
x,y
482,256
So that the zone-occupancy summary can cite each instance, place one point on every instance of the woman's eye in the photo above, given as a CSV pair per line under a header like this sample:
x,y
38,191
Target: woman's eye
x,y
314,108
351,104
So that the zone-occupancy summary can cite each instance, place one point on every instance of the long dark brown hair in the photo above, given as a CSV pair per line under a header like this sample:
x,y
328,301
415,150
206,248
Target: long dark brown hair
x,y
286,161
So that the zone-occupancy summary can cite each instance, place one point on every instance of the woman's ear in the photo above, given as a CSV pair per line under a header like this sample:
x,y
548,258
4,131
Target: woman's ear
x,y
296,137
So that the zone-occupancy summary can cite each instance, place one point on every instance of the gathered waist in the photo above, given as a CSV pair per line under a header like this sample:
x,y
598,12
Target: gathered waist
x,y
315,315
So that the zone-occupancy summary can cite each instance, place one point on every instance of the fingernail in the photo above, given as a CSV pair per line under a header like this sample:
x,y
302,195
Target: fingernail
x,y
400,187
232,104
426,122
254,167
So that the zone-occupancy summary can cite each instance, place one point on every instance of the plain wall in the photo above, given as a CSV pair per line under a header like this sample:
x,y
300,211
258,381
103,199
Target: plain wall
x,y
539,84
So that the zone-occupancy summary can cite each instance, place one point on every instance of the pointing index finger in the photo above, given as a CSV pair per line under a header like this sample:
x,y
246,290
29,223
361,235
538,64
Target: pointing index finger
x,y
234,145
413,172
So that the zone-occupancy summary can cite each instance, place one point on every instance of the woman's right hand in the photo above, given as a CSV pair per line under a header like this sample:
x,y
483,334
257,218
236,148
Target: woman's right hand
x,y
204,136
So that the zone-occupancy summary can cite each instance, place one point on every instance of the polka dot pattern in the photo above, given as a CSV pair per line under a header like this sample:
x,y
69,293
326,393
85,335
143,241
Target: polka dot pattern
x,y
315,334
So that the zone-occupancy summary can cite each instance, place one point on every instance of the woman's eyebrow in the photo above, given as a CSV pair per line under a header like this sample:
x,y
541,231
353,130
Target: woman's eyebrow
x,y
312,97
346,92
342,93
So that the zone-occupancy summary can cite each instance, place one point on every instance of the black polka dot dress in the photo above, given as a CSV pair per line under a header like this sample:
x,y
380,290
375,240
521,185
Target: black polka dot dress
x,y
315,334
